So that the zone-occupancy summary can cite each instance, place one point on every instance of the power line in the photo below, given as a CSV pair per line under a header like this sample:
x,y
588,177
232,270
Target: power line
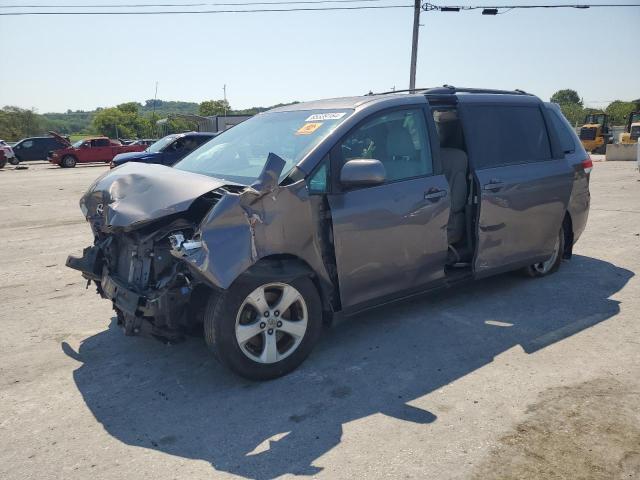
x,y
493,9
486,9
184,5
200,12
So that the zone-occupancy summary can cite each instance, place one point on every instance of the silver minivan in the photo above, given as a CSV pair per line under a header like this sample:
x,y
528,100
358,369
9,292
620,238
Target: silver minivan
x,y
330,207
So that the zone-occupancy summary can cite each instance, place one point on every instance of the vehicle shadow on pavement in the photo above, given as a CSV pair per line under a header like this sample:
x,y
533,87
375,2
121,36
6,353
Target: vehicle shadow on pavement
x,y
178,400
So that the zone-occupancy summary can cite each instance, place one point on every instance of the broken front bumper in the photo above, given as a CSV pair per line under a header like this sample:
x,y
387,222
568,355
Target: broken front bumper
x,y
124,298
162,310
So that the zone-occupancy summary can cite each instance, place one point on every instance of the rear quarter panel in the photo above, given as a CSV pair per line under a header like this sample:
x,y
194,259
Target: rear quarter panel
x,y
580,198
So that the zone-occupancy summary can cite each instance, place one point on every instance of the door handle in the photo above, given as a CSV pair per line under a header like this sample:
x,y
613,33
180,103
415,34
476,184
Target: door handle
x,y
493,185
435,194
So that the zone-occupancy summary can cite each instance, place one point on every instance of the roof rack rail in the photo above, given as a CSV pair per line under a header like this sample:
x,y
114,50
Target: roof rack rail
x,y
450,89
410,90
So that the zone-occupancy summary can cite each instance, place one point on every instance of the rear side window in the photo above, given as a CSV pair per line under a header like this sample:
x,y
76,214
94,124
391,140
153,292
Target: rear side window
x,y
564,134
508,135
100,142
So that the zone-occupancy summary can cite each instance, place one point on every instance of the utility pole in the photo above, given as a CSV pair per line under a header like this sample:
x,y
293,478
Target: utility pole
x,y
414,44
155,97
224,90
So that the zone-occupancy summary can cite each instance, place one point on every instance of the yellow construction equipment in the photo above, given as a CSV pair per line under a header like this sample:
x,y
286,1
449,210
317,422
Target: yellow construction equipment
x,y
595,134
631,129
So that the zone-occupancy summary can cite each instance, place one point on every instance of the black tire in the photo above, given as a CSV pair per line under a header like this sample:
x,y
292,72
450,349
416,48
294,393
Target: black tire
x,y
14,161
68,161
3,162
539,270
220,326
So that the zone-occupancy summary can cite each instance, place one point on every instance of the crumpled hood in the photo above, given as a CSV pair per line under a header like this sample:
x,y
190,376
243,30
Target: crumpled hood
x,y
137,193
128,156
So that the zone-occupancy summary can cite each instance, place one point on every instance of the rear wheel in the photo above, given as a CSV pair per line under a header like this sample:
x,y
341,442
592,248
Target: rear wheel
x,y
263,328
14,161
552,264
68,161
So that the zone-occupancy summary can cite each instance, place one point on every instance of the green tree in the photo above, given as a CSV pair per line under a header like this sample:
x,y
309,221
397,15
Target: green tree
x,y
209,108
17,123
129,107
619,111
566,97
573,112
119,123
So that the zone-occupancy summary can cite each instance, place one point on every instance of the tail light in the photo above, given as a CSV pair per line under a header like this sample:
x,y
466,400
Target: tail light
x,y
587,165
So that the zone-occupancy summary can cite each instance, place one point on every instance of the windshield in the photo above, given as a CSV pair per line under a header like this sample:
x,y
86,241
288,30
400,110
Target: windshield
x,y
161,144
595,118
239,154
78,143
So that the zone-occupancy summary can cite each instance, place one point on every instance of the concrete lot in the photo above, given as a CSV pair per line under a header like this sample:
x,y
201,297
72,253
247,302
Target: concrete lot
x,y
507,378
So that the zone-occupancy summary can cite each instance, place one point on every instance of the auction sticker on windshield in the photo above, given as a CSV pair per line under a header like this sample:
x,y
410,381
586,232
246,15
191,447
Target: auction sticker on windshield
x,y
319,117
308,128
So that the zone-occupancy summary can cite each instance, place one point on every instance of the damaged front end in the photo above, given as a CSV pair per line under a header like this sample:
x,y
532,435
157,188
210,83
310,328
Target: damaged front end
x,y
166,240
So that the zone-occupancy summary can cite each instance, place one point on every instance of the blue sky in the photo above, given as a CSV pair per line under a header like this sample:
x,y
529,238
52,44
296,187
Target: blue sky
x,y
55,63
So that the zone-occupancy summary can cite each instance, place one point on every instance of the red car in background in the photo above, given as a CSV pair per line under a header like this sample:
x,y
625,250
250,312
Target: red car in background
x,y
89,150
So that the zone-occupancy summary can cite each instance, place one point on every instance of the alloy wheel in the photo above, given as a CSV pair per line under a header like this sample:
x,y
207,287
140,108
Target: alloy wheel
x,y
271,322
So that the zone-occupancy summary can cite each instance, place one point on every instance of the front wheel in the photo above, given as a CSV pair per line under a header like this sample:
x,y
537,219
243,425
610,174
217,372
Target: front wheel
x,y
550,265
263,328
14,161
68,161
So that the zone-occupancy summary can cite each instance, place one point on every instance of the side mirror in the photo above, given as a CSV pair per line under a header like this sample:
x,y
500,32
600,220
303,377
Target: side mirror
x,y
362,172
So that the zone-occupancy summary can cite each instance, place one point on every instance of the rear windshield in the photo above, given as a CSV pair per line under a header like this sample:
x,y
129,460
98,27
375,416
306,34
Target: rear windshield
x,y
239,154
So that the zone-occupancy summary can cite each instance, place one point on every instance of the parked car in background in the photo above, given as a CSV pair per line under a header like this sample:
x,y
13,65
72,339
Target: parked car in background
x,y
37,148
147,142
6,153
168,150
90,150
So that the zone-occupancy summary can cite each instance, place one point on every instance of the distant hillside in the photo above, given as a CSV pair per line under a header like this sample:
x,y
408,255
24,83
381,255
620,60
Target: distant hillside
x,y
134,118
165,107
79,121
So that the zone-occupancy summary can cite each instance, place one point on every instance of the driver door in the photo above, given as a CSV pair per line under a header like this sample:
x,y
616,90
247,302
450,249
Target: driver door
x,y
389,238
101,150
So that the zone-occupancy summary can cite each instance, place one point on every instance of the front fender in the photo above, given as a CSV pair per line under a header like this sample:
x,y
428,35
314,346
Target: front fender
x,y
238,233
